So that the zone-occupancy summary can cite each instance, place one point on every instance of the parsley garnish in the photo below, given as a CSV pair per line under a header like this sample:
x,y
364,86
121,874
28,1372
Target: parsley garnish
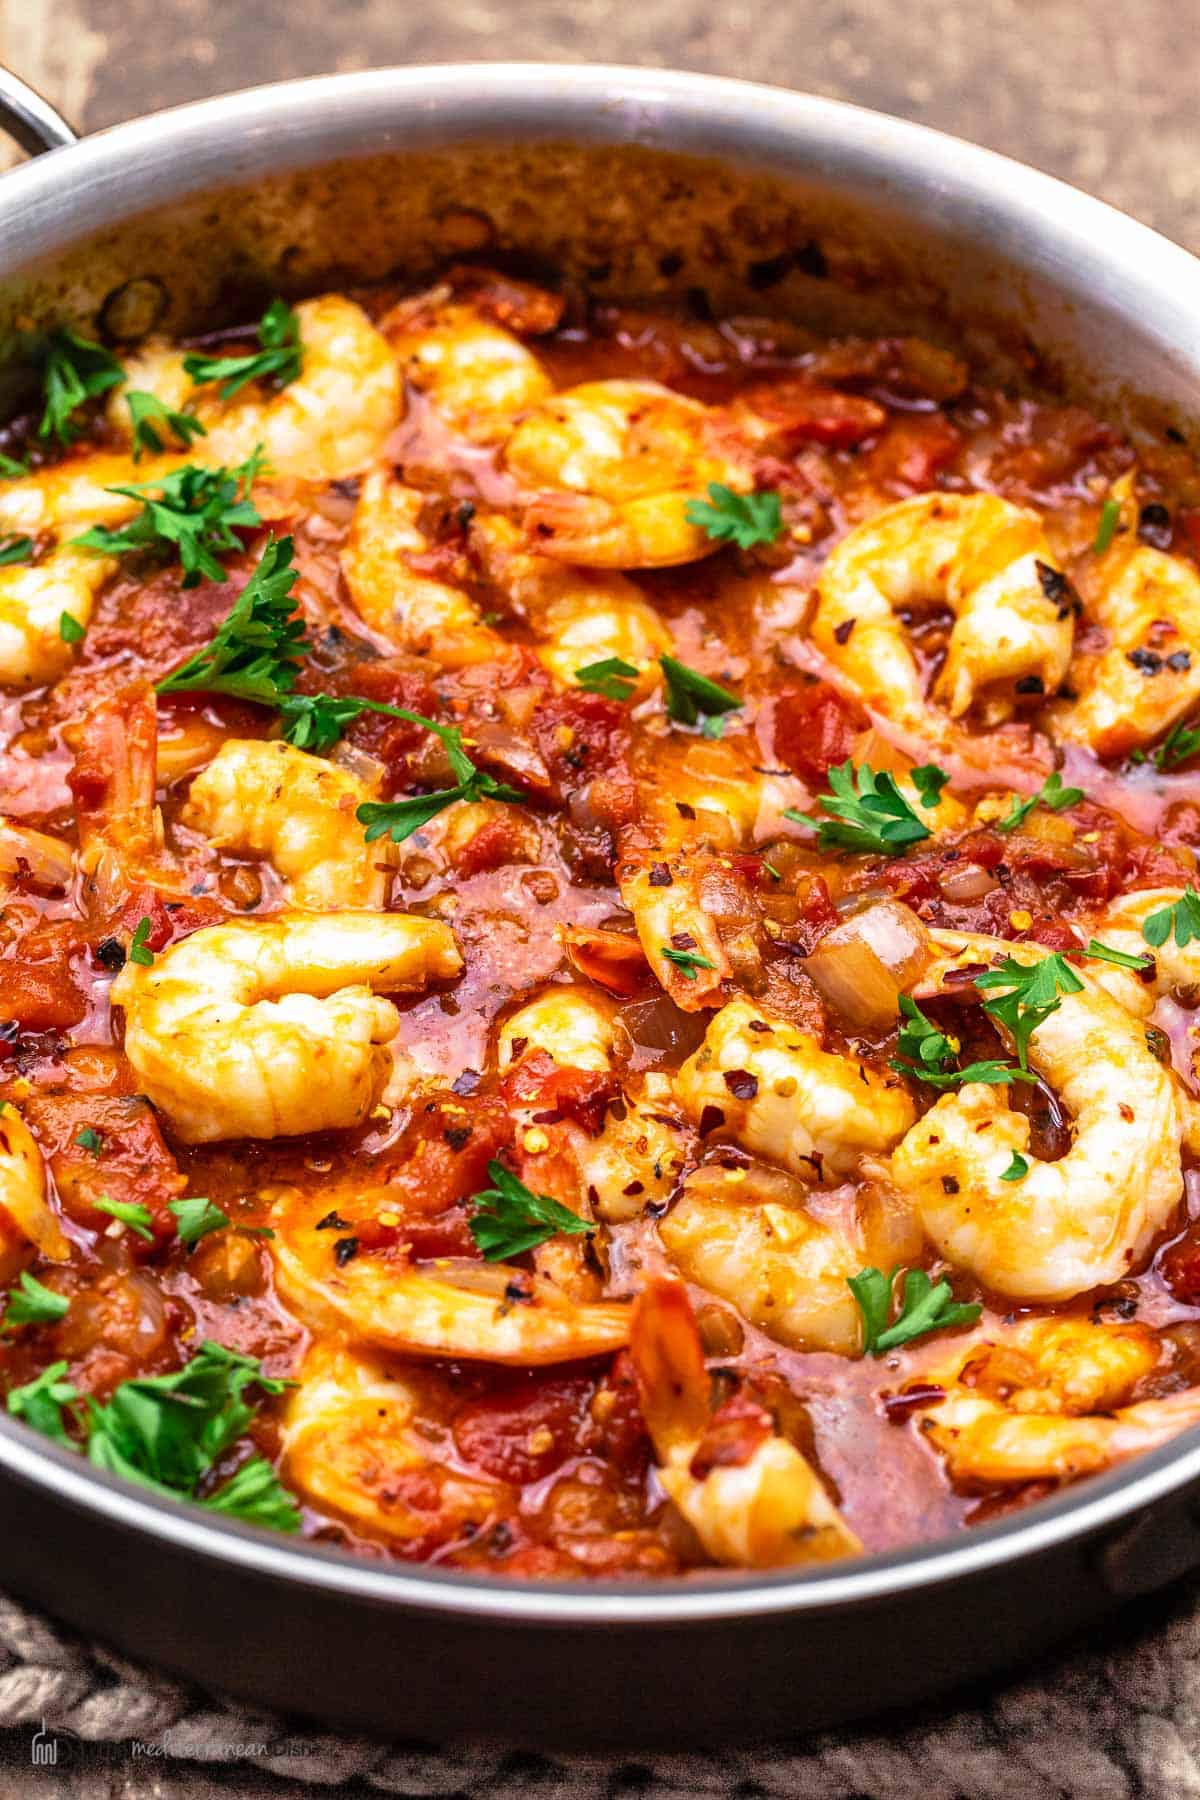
x,y
69,629
692,699
1179,746
11,468
256,1496
1032,995
1182,917
612,677
194,1219
198,510
90,1139
398,819
874,817
927,1054
510,1218
149,416
686,961
76,370
1106,531
924,1308
139,951
1122,958
15,550
279,359
131,1213
1052,793
41,1402
741,519
29,1303
1017,1169
255,652
929,781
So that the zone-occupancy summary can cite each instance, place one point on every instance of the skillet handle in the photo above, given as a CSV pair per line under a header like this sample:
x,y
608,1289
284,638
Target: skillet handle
x,y
24,115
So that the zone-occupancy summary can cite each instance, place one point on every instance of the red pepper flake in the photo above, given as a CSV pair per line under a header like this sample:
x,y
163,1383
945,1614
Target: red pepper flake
x,y
842,632
457,1135
332,1222
741,1083
683,940
344,1251
660,875
711,1119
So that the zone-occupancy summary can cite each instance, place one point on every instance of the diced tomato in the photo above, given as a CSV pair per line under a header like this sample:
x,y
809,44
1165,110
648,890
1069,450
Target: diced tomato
x,y
814,728
912,451
170,920
620,1429
497,842
1179,1265
123,1157
581,737
807,412
442,1155
525,1427
734,1433
579,1094
38,984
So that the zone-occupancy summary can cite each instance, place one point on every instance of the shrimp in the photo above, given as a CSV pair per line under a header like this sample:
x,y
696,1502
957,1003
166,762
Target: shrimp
x,y
356,1441
751,1498
478,377
26,1219
331,422
274,1028
782,1097
1147,676
985,559
35,599
610,467
574,1025
34,855
68,497
1048,1399
747,1236
412,611
639,1153
479,1312
270,799
1062,1227
114,780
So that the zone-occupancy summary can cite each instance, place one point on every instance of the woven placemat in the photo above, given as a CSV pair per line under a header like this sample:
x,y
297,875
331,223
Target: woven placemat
x,y
1115,1718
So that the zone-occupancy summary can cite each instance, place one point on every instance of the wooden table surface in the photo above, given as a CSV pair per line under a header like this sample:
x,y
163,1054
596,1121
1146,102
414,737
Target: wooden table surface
x,y
1103,95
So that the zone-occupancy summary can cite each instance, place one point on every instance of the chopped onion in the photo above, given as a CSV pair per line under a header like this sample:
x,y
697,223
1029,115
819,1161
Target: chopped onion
x,y
863,965
967,881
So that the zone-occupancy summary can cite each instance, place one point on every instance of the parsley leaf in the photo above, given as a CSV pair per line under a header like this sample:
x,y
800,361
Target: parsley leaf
x,y
1179,746
741,519
15,550
1052,793
398,819
1122,958
1017,1169
687,961
41,1402
256,1496
29,1303
197,510
1032,995
131,1213
510,1218
925,1307
691,697
69,629
929,781
927,1054
149,416
874,817
11,468
1182,917
612,677
76,370
139,951
90,1139
195,1218
255,652
279,359
1106,531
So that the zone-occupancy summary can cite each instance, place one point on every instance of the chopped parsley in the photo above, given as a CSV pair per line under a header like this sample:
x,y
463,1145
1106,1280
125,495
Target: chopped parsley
x,y
139,950
194,510
1122,958
41,1403
76,370
612,677
398,819
15,550
29,1303
255,652
195,1218
1106,531
741,519
1031,994
131,1213
1182,917
278,359
1052,793
1179,746
149,417
692,699
686,961
91,1140
872,816
510,1218
69,629
1017,1169
927,1054
925,1307
11,468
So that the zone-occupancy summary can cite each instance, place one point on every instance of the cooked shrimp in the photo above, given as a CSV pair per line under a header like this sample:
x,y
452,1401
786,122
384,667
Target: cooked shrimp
x,y
747,1236
985,559
478,376
639,1153
34,854
68,497
270,799
26,1219
114,780
1066,1226
353,1444
572,1024
34,601
274,1028
331,422
1048,1399
1171,968
609,468
757,1503
784,1098
479,1312
412,611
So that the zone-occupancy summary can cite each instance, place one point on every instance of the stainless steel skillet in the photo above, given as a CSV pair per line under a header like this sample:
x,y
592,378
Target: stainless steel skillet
x,y
648,187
